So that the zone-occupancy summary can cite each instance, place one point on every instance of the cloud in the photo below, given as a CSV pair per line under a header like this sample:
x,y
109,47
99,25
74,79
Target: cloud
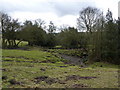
x,y
69,8
47,17
61,8
58,11
111,4
119,9
25,6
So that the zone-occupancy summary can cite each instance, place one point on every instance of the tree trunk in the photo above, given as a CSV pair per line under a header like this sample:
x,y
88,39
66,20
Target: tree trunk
x,y
18,43
4,44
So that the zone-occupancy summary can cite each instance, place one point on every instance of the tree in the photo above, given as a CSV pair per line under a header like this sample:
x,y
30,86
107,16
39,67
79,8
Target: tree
x,y
109,17
69,37
9,28
88,23
88,18
52,27
98,39
40,23
118,41
51,38
109,52
33,33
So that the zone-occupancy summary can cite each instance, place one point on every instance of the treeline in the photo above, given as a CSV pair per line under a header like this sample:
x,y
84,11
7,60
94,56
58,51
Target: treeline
x,y
98,34
32,32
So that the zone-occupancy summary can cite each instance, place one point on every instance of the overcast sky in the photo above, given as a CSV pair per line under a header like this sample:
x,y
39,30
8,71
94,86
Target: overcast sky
x,y
59,11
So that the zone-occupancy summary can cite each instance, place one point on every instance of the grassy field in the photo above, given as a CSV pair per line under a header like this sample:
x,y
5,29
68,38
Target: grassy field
x,y
36,68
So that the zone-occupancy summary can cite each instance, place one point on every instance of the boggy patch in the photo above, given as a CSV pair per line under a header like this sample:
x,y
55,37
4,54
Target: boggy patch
x,y
48,80
78,86
3,69
4,77
41,78
47,61
42,69
63,66
51,80
76,77
14,82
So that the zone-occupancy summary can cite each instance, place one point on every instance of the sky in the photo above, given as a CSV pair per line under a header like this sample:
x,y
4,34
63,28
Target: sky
x,y
60,12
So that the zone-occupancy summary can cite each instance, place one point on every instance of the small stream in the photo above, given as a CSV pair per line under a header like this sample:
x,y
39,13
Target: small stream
x,y
73,60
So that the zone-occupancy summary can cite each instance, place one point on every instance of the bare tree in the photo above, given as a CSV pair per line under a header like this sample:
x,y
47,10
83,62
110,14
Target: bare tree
x,y
90,21
88,18
40,23
51,27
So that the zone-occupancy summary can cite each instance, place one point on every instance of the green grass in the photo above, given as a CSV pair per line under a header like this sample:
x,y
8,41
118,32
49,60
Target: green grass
x,y
34,55
26,72
104,65
23,43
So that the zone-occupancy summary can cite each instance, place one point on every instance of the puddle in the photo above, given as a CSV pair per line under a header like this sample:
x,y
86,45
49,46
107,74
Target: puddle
x,y
77,77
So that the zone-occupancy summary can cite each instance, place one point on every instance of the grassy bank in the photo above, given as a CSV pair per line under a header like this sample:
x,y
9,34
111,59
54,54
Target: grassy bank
x,y
36,68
